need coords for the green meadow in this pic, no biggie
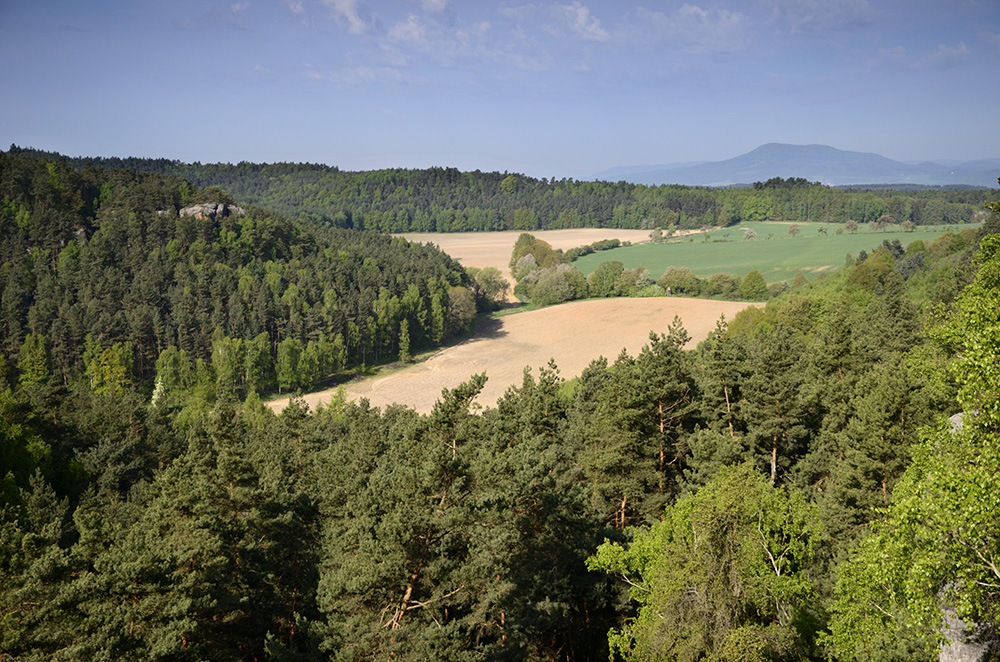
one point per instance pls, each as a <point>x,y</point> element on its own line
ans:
<point>773,252</point>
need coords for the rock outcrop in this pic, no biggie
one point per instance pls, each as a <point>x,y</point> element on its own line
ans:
<point>211,210</point>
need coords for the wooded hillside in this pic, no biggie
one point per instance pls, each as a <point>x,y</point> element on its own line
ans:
<point>98,260</point>
<point>447,200</point>
<point>788,491</point>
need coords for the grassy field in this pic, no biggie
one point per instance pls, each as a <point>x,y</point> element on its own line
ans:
<point>773,252</point>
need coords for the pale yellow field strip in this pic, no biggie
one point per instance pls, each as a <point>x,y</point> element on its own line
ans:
<point>573,334</point>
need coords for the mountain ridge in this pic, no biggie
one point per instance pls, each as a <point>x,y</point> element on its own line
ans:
<point>821,163</point>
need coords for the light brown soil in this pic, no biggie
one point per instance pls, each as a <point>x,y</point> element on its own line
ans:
<point>573,334</point>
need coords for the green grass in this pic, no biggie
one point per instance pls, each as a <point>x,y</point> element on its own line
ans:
<point>778,258</point>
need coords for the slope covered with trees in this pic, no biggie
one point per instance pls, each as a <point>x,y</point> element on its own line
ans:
<point>786,491</point>
<point>115,261</point>
<point>447,200</point>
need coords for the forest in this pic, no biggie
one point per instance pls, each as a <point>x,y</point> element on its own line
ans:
<point>792,489</point>
<point>448,200</point>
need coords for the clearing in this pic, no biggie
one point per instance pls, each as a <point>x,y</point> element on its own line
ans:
<point>572,334</point>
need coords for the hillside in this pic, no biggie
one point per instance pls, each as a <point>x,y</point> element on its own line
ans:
<point>819,163</point>
<point>114,260</point>
<point>447,200</point>
<point>790,488</point>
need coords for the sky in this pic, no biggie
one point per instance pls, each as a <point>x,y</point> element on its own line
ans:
<point>549,89</point>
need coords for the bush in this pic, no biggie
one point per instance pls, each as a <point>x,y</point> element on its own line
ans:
<point>753,287</point>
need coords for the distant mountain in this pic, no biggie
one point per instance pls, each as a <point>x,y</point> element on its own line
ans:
<point>820,163</point>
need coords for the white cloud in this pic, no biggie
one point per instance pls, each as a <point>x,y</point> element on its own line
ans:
<point>694,30</point>
<point>579,20</point>
<point>407,42</point>
<point>346,12</point>
<point>295,6</point>
<point>240,7</point>
<point>410,32</point>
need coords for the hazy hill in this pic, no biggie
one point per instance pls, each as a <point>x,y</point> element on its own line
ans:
<point>821,163</point>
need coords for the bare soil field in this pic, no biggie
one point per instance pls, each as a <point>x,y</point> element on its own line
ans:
<point>572,334</point>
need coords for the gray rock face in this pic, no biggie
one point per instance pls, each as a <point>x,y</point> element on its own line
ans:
<point>964,645</point>
<point>211,210</point>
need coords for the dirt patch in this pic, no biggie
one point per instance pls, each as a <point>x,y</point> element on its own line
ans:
<point>572,334</point>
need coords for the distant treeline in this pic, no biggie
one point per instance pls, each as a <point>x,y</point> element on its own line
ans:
<point>448,200</point>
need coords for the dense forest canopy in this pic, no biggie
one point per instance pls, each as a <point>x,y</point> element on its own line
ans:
<point>790,490</point>
<point>447,200</point>
<point>97,260</point>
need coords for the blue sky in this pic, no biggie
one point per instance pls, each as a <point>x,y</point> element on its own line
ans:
<point>553,89</point>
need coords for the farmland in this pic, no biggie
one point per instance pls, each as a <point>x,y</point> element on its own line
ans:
<point>572,335</point>
<point>772,252</point>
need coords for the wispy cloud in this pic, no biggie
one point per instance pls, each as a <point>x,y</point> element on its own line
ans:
<point>519,14</point>
<point>898,57</point>
<point>579,20</point>
<point>436,6</point>
<point>239,7</point>
<point>991,38</point>
<point>694,30</point>
<point>346,12</point>
<point>350,76</point>
<point>820,15</point>
<point>945,57</point>
<point>295,6</point>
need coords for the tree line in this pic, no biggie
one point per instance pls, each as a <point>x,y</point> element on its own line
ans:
<point>448,200</point>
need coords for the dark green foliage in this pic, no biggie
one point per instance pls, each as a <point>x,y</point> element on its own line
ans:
<point>146,514</point>
<point>447,200</point>
<point>103,275</point>
<point>628,422</point>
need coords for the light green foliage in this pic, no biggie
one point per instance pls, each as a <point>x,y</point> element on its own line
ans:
<point>724,572</point>
<point>109,371</point>
<point>680,281</point>
<point>552,285</point>
<point>33,361</point>
<point>404,340</point>
<point>601,283</point>
<point>228,360</point>
<point>287,365</point>
<point>461,310</point>
<point>489,287</point>
<point>173,372</point>
<point>541,252</point>
<point>939,543</point>
<point>753,286</point>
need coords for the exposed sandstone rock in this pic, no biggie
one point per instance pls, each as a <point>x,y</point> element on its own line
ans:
<point>211,210</point>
